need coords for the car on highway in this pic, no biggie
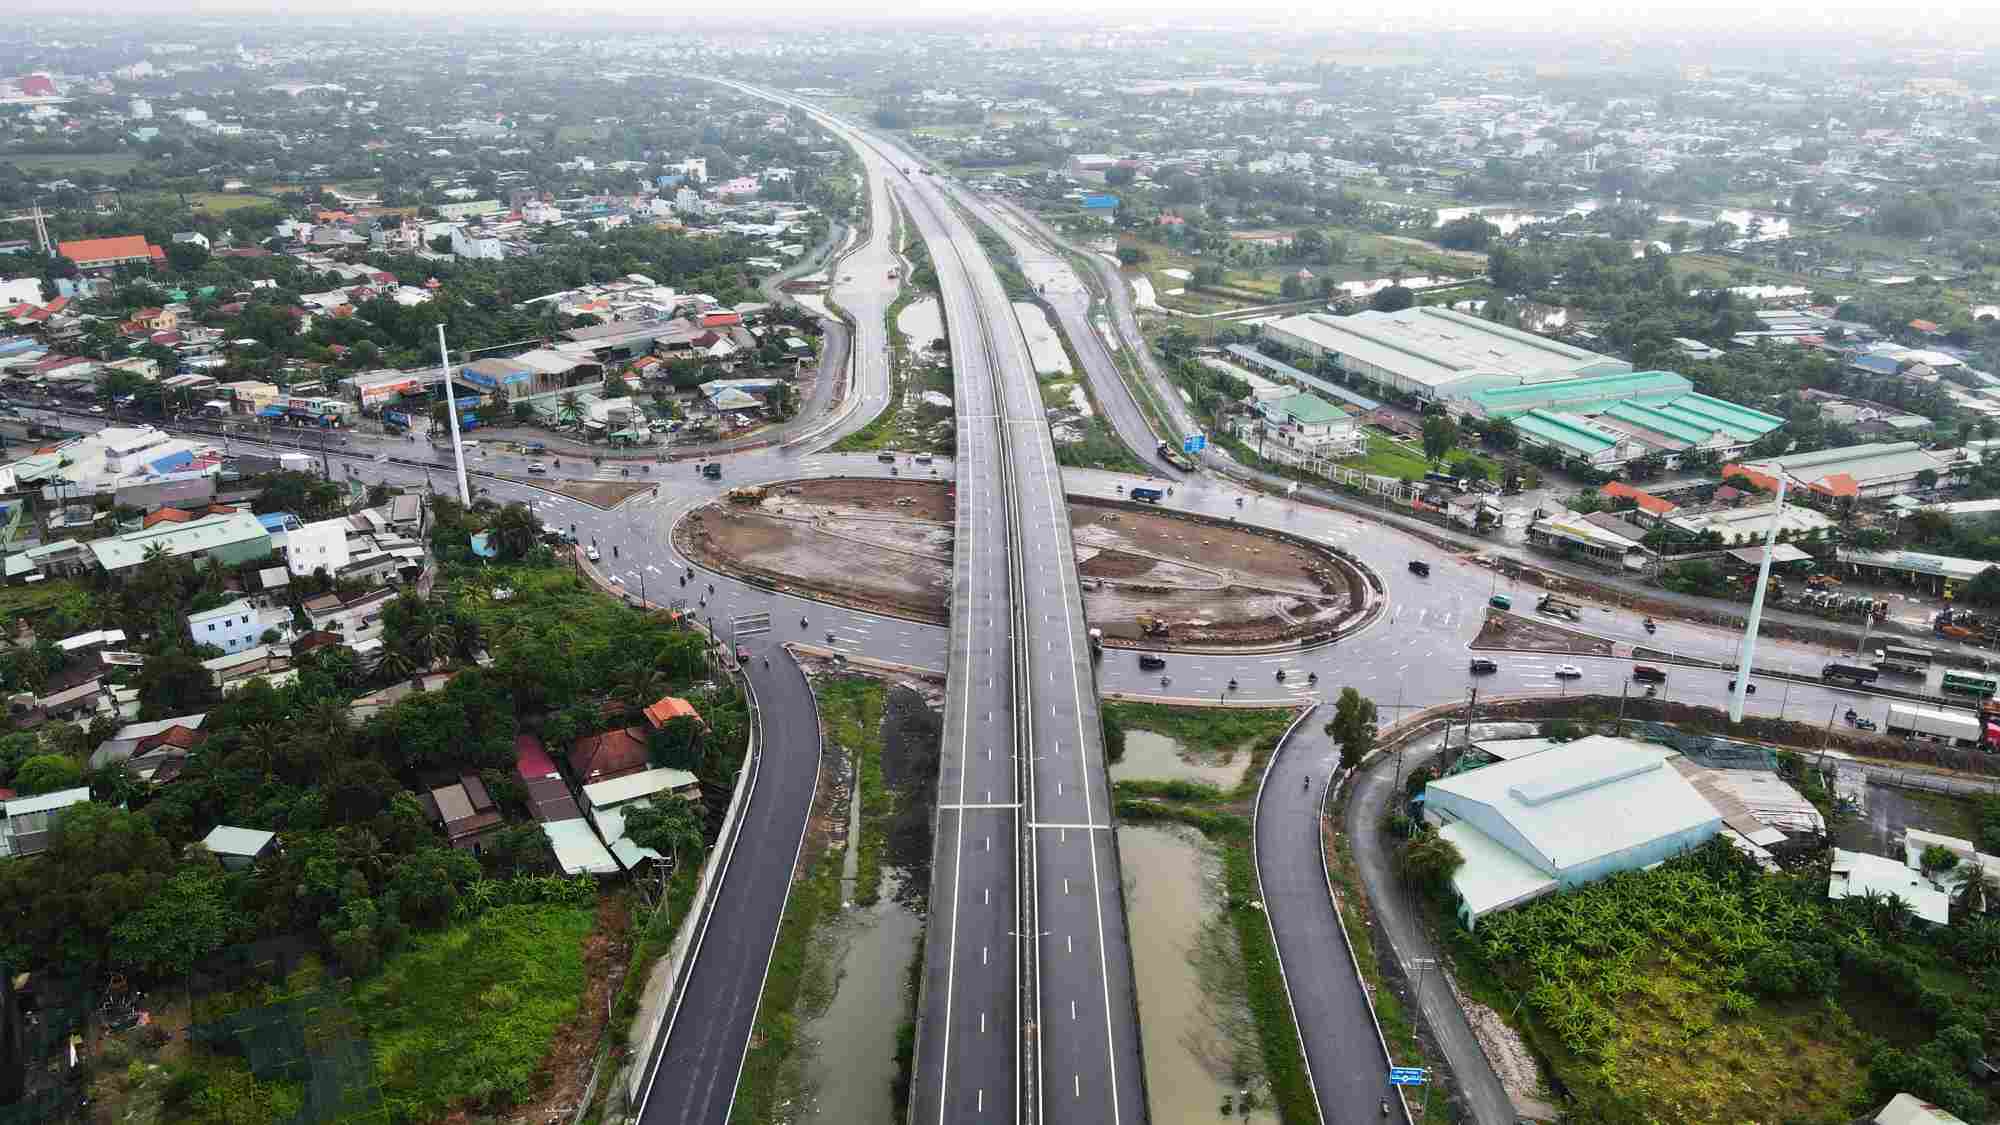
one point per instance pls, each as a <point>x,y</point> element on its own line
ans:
<point>1484,667</point>
<point>1500,601</point>
<point>1568,672</point>
<point>97,410</point>
<point>1748,689</point>
<point>1647,674</point>
<point>538,467</point>
<point>591,554</point>
<point>1420,568</point>
<point>886,458</point>
<point>1150,663</point>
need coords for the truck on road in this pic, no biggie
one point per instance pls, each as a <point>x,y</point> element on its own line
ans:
<point>1852,673</point>
<point>1557,607</point>
<point>1172,455</point>
<point>1954,727</point>
<point>1149,495</point>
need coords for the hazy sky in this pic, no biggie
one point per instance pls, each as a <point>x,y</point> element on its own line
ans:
<point>1945,22</point>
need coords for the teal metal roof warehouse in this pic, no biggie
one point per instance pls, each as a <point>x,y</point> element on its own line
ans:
<point>1607,420</point>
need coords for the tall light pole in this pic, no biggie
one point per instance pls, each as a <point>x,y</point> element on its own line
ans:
<point>451,414</point>
<point>1748,651</point>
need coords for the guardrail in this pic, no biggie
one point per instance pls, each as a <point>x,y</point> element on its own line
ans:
<point>694,927</point>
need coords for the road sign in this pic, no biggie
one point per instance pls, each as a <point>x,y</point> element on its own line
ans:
<point>1194,443</point>
<point>1408,1076</point>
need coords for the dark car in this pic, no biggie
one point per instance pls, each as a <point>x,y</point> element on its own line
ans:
<point>1483,667</point>
<point>1420,567</point>
<point>1647,674</point>
<point>1152,663</point>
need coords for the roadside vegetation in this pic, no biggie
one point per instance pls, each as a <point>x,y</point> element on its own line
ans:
<point>1653,994</point>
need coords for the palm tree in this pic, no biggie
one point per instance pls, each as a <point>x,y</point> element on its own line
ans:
<point>515,530</point>
<point>569,411</point>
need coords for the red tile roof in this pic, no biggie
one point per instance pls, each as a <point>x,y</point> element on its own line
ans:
<point>668,708</point>
<point>1838,484</point>
<point>1647,502</point>
<point>168,515</point>
<point>1765,481</point>
<point>101,249</point>
<point>614,753</point>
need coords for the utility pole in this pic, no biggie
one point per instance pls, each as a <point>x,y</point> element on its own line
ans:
<point>451,414</point>
<point>1747,653</point>
<point>1622,686</point>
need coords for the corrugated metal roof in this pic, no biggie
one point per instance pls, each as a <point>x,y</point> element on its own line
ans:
<point>618,790</point>
<point>1564,432</point>
<point>1492,877</point>
<point>225,840</point>
<point>578,850</point>
<point>1594,797</point>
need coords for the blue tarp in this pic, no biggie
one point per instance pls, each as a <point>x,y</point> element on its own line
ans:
<point>279,521</point>
<point>1877,364</point>
<point>482,547</point>
<point>173,462</point>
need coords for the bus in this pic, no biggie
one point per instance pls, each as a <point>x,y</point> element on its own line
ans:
<point>1965,683</point>
<point>1903,660</point>
<point>1853,673</point>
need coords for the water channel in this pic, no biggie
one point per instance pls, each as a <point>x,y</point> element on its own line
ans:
<point>1196,1032</point>
<point>853,1063</point>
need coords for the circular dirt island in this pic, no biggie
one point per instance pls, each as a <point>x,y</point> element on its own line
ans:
<point>1152,577</point>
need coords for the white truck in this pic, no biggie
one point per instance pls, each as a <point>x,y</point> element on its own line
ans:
<point>1954,727</point>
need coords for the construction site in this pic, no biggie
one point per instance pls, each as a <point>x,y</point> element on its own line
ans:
<point>1150,578</point>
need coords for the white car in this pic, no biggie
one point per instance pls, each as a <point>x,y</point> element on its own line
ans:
<point>1568,672</point>
<point>97,410</point>
<point>538,467</point>
<point>591,554</point>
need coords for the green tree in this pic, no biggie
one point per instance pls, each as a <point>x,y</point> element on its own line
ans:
<point>669,825</point>
<point>1429,860</point>
<point>1353,726</point>
<point>1392,298</point>
<point>182,923</point>
<point>1440,436</point>
<point>47,773</point>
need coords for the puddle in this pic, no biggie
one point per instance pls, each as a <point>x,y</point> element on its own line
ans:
<point>1152,755</point>
<point>853,1062</point>
<point>922,322</point>
<point>1044,347</point>
<point>1194,1047</point>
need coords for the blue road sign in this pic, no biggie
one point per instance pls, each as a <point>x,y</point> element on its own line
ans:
<point>1408,1076</point>
<point>1194,443</point>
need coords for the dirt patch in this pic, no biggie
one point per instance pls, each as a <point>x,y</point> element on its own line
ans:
<point>886,546</point>
<point>918,499</point>
<point>1513,632</point>
<point>601,493</point>
<point>1512,1062</point>
<point>607,952</point>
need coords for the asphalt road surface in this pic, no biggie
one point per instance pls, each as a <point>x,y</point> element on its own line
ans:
<point>1334,1021</point>
<point>702,1053</point>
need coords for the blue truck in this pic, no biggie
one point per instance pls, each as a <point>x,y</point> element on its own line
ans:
<point>1150,495</point>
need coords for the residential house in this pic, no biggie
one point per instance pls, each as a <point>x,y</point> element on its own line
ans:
<point>225,539</point>
<point>26,822</point>
<point>237,626</point>
<point>464,809</point>
<point>240,848</point>
<point>605,804</point>
<point>612,754</point>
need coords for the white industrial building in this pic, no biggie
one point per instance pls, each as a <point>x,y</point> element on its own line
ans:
<point>1567,816</point>
<point>1430,352</point>
<point>1872,471</point>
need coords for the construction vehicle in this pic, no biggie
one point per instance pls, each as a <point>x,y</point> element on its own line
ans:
<point>748,494</point>
<point>1557,607</point>
<point>1151,626</point>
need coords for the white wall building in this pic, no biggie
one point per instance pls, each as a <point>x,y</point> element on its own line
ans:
<point>236,626</point>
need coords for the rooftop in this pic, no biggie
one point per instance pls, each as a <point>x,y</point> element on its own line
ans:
<point>1432,345</point>
<point>1866,463</point>
<point>206,533</point>
<point>1858,873</point>
<point>1593,797</point>
<point>631,787</point>
<point>224,840</point>
<point>1309,410</point>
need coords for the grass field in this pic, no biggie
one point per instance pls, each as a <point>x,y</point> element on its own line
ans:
<point>103,163</point>
<point>469,1012</point>
<point>54,606</point>
<point>580,134</point>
